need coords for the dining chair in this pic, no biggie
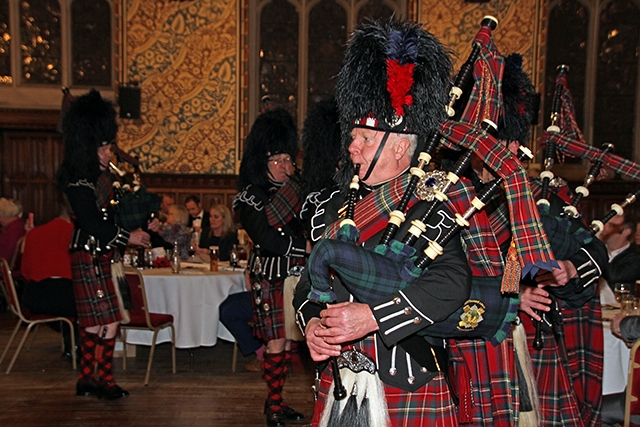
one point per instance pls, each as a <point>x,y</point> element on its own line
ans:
<point>14,262</point>
<point>234,358</point>
<point>25,316</point>
<point>632,401</point>
<point>142,319</point>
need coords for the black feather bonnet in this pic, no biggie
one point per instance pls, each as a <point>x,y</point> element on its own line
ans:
<point>394,77</point>
<point>518,97</point>
<point>273,132</point>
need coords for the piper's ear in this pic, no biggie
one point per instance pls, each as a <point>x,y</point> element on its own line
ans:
<point>401,146</point>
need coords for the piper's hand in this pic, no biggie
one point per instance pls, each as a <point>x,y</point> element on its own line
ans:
<point>154,225</point>
<point>534,298</point>
<point>139,237</point>
<point>557,276</point>
<point>319,349</point>
<point>347,321</point>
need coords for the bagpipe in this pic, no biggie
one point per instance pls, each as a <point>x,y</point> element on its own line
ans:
<point>562,221</point>
<point>371,274</point>
<point>133,204</point>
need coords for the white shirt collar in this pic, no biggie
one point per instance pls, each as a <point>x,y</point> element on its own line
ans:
<point>614,253</point>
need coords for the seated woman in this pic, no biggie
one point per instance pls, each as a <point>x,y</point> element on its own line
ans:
<point>46,268</point>
<point>175,229</point>
<point>220,232</point>
<point>11,230</point>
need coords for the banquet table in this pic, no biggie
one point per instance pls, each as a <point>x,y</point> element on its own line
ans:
<point>193,297</point>
<point>616,356</point>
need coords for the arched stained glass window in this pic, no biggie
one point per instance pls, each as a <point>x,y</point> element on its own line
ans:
<point>600,41</point>
<point>5,44</point>
<point>567,41</point>
<point>327,39</point>
<point>617,75</point>
<point>41,41</point>
<point>298,78</point>
<point>375,9</point>
<point>91,42</point>
<point>279,54</point>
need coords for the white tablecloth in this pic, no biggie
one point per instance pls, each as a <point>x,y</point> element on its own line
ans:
<point>616,363</point>
<point>616,353</point>
<point>193,297</point>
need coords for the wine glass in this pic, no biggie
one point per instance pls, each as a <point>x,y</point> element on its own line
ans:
<point>193,245</point>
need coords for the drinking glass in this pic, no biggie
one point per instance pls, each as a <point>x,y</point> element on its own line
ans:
<point>148,258</point>
<point>193,245</point>
<point>627,303</point>
<point>621,289</point>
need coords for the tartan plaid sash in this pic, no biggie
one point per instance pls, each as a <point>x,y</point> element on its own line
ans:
<point>285,204</point>
<point>372,212</point>
<point>104,189</point>
<point>479,240</point>
<point>485,101</point>
<point>534,251</point>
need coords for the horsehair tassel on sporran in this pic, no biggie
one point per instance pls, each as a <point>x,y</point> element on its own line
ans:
<point>435,248</point>
<point>582,191</point>
<point>616,209</point>
<point>418,225</point>
<point>547,175</point>
<point>488,23</point>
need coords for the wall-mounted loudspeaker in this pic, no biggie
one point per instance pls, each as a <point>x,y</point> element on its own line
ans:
<point>129,102</point>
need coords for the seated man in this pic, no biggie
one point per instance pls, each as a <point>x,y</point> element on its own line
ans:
<point>624,262</point>
<point>46,267</point>
<point>198,217</point>
<point>628,329</point>
<point>236,313</point>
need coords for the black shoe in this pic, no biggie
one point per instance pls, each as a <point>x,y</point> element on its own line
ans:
<point>111,391</point>
<point>274,418</point>
<point>85,388</point>
<point>291,414</point>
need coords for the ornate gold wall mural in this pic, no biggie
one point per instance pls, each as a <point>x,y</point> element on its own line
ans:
<point>456,22</point>
<point>183,54</point>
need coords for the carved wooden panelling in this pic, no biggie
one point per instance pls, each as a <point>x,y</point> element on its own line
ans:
<point>29,162</point>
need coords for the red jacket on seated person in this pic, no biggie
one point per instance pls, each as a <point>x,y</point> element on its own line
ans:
<point>46,251</point>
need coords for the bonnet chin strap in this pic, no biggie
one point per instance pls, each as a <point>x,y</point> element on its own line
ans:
<point>377,156</point>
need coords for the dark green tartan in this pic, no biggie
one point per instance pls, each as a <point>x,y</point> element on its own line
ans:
<point>135,208</point>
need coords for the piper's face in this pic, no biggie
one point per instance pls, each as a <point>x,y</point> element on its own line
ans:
<point>104,156</point>
<point>363,147</point>
<point>280,167</point>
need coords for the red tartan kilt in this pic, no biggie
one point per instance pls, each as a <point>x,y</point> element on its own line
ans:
<point>270,325</point>
<point>486,382</point>
<point>556,393</point>
<point>429,406</point>
<point>94,311</point>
